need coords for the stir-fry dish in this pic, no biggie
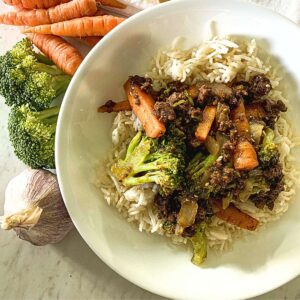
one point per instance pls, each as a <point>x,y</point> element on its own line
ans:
<point>197,157</point>
<point>207,146</point>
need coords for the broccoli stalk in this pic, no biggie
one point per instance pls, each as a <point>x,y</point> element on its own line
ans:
<point>268,154</point>
<point>33,134</point>
<point>199,245</point>
<point>29,77</point>
<point>150,161</point>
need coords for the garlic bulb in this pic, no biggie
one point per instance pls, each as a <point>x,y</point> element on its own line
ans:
<point>34,208</point>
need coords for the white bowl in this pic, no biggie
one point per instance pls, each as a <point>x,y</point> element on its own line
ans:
<point>263,262</point>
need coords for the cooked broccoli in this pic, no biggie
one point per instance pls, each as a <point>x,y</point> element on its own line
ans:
<point>199,244</point>
<point>198,172</point>
<point>152,161</point>
<point>268,154</point>
<point>32,135</point>
<point>27,77</point>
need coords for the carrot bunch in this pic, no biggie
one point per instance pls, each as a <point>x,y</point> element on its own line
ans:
<point>48,20</point>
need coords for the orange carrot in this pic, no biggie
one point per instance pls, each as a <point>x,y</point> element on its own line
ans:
<point>33,4</point>
<point>142,105</point>
<point>66,11</point>
<point>239,118</point>
<point>255,110</point>
<point>63,54</point>
<point>87,26</point>
<point>90,41</point>
<point>112,3</point>
<point>204,126</point>
<point>111,106</point>
<point>234,216</point>
<point>244,157</point>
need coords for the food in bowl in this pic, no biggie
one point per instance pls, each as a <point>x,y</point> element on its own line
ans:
<point>202,147</point>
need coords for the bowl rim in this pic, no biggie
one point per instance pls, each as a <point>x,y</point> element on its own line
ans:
<point>76,79</point>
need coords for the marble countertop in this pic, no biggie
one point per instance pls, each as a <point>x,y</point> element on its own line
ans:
<point>68,270</point>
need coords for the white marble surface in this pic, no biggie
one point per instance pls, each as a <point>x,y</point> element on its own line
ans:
<point>68,270</point>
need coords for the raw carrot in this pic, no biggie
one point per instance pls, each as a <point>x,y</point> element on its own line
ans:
<point>33,4</point>
<point>204,126</point>
<point>244,157</point>
<point>142,105</point>
<point>90,41</point>
<point>234,216</point>
<point>255,110</point>
<point>112,3</point>
<point>63,54</point>
<point>87,26</point>
<point>66,11</point>
<point>238,115</point>
<point>111,106</point>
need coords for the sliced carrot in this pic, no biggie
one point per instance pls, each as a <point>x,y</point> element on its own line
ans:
<point>65,11</point>
<point>63,54</point>
<point>235,216</point>
<point>33,4</point>
<point>204,126</point>
<point>255,111</point>
<point>244,157</point>
<point>86,26</point>
<point>112,3</point>
<point>90,40</point>
<point>142,105</point>
<point>238,115</point>
<point>111,106</point>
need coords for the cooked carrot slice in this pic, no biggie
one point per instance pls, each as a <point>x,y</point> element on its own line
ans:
<point>235,216</point>
<point>111,106</point>
<point>238,115</point>
<point>209,114</point>
<point>255,110</point>
<point>244,158</point>
<point>142,105</point>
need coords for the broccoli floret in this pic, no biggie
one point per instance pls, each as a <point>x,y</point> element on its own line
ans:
<point>199,245</point>
<point>29,77</point>
<point>198,172</point>
<point>152,161</point>
<point>268,154</point>
<point>33,134</point>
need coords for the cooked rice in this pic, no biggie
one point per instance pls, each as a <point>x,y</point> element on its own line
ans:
<point>217,60</point>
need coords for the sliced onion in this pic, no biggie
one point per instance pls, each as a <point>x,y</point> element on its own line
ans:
<point>187,213</point>
<point>212,146</point>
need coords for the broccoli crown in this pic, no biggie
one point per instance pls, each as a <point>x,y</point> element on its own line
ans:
<point>198,170</point>
<point>33,134</point>
<point>268,154</point>
<point>29,77</point>
<point>152,161</point>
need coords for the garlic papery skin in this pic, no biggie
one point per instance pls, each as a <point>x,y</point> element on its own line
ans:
<point>34,208</point>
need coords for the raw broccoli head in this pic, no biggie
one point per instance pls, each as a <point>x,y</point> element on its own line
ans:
<point>268,154</point>
<point>151,161</point>
<point>33,134</point>
<point>29,77</point>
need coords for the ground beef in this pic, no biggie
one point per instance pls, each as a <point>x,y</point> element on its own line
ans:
<point>273,110</point>
<point>273,175</point>
<point>164,111</point>
<point>227,150</point>
<point>241,89</point>
<point>260,86</point>
<point>167,207</point>
<point>224,124</point>
<point>268,198</point>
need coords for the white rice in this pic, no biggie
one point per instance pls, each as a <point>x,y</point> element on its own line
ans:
<point>217,60</point>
